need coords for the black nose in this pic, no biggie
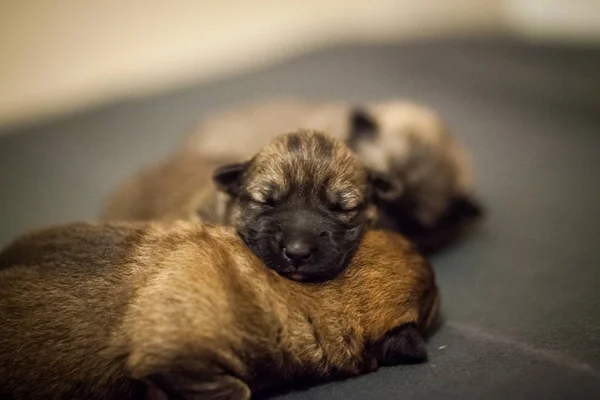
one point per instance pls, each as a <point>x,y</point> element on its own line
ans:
<point>298,250</point>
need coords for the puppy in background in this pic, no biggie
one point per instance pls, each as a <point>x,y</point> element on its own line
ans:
<point>185,310</point>
<point>301,203</point>
<point>430,194</point>
<point>179,188</point>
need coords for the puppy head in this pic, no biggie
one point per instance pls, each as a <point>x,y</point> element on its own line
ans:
<point>428,173</point>
<point>301,204</point>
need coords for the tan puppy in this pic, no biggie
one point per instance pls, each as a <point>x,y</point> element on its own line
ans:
<point>100,311</point>
<point>179,188</point>
<point>431,197</point>
<point>301,203</point>
<point>428,175</point>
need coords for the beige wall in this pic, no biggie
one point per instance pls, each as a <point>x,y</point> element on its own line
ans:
<point>567,21</point>
<point>66,55</point>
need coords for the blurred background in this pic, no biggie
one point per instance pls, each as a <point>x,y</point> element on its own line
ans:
<point>57,57</point>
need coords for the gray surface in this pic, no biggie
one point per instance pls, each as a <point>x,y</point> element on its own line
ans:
<point>520,294</point>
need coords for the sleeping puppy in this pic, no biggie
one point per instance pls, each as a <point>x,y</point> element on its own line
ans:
<point>430,197</point>
<point>301,203</point>
<point>180,188</point>
<point>185,310</point>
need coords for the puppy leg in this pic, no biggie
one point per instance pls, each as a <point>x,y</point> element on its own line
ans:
<point>403,345</point>
<point>182,387</point>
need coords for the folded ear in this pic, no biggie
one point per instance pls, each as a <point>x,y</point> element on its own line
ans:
<point>384,189</point>
<point>362,125</point>
<point>403,345</point>
<point>228,177</point>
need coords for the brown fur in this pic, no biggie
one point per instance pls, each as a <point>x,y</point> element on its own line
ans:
<point>318,162</point>
<point>430,199</point>
<point>182,187</point>
<point>95,310</point>
<point>412,144</point>
<point>303,186</point>
<point>175,189</point>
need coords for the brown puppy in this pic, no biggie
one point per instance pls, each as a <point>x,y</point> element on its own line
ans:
<point>179,188</point>
<point>99,311</point>
<point>430,196</point>
<point>301,204</point>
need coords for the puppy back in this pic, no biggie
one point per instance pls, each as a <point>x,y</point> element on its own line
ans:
<point>63,292</point>
<point>243,130</point>
<point>210,308</point>
<point>171,190</point>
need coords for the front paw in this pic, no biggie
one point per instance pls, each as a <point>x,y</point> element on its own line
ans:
<point>403,345</point>
<point>184,387</point>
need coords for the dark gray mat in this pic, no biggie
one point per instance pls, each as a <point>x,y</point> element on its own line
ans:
<point>520,294</point>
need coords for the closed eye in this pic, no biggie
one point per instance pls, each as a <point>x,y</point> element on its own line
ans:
<point>268,201</point>
<point>344,208</point>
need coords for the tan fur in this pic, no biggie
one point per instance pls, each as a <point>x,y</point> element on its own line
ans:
<point>415,141</point>
<point>90,310</point>
<point>415,146</point>
<point>182,188</point>
<point>343,173</point>
<point>170,191</point>
<point>243,130</point>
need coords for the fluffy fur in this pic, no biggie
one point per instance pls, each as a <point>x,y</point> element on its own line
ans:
<point>429,195</point>
<point>301,203</point>
<point>107,311</point>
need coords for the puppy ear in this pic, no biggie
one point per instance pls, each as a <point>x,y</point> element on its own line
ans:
<point>403,345</point>
<point>228,177</point>
<point>362,125</point>
<point>384,188</point>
